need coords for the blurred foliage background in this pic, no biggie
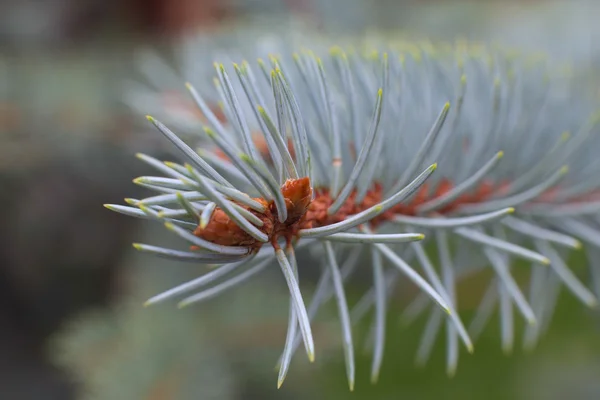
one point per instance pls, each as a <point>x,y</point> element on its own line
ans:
<point>71,288</point>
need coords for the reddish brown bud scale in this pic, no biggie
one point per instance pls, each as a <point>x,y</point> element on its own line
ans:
<point>224,231</point>
<point>298,195</point>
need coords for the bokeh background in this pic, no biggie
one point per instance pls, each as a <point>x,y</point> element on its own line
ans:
<point>71,287</point>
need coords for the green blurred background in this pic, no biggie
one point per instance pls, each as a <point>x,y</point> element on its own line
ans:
<point>71,288</point>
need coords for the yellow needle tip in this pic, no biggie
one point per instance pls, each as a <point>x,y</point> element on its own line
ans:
<point>546,261</point>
